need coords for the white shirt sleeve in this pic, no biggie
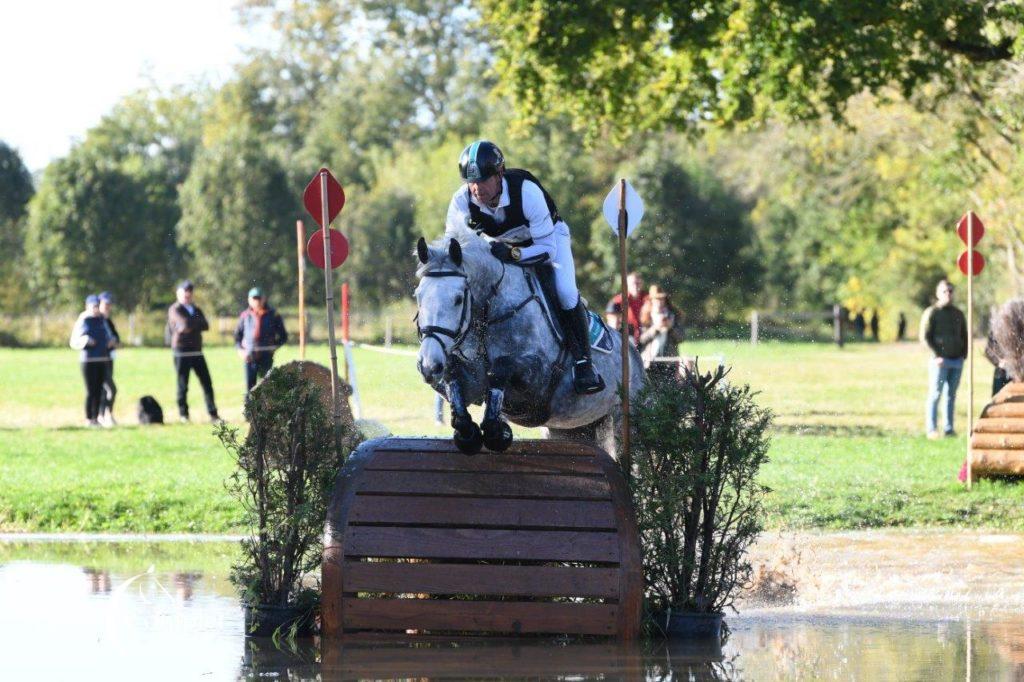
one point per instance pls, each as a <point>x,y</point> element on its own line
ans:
<point>535,210</point>
<point>458,209</point>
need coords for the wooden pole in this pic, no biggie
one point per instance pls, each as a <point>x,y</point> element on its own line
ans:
<point>300,242</point>
<point>627,461</point>
<point>344,325</point>
<point>970,341</point>
<point>325,218</point>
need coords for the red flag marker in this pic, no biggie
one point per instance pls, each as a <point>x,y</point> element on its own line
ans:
<point>312,198</point>
<point>315,248</point>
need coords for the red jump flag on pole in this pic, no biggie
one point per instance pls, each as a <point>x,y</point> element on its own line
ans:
<point>312,197</point>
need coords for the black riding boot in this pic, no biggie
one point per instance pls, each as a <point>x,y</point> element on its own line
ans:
<point>585,378</point>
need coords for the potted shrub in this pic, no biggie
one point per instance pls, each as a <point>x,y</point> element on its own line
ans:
<point>698,445</point>
<point>286,467</point>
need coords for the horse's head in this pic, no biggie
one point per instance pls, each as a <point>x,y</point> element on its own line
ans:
<point>444,307</point>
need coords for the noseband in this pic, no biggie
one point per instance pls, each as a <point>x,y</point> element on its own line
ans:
<point>456,335</point>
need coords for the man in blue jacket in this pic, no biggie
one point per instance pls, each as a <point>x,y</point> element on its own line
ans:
<point>259,333</point>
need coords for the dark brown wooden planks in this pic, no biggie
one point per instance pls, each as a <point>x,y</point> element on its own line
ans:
<point>452,511</point>
<point>480,543</point>
<point>490,580</point>
<point>481,616</point>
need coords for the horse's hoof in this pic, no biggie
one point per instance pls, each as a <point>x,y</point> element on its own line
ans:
<point>470,440</point>
<point>497,435</point>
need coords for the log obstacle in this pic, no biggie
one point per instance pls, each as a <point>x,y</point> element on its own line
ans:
<point>997,443</point>
<point>423,540</point>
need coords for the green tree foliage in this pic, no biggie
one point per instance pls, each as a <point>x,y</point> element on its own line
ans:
<point>638,65</point>
<point>15,191</point>
<point>695,241</point>
<point>105,215</point>
<point>237,216</point>
<point>15,185</point>
<point>90,228</point>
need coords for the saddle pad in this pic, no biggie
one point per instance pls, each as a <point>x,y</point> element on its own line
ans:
<point>600,338</point>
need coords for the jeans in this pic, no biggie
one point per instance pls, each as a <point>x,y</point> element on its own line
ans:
<point>942,381</point>
<point>256,369</point>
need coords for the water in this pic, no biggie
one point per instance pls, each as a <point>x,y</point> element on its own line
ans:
<point>869,605</point>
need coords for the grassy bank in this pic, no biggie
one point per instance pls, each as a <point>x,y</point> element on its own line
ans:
<point>848,452</point>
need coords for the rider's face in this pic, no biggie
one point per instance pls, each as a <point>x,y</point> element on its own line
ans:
<point>486,191</point>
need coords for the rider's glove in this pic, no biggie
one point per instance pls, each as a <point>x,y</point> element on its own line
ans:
<point>502,252</point>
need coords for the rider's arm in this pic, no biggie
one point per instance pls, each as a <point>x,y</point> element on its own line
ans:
<point>458,209</point>
<point>542,230</point>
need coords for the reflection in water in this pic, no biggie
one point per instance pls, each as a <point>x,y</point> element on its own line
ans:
<point>168,612</point>
<point>99,581</point>
<point>184,584</point>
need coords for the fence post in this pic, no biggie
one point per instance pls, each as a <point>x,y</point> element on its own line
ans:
<point>387,332</point>
<point>753,328</point>
<point>837,324</point>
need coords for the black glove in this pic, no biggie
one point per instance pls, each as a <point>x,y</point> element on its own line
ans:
<point>502,251</point>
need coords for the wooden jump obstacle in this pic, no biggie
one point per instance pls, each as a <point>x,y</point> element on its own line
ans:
<point>421,539</point>
<point>997,444</point>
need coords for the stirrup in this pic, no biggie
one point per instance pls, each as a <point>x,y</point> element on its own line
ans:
<point>586,385</point>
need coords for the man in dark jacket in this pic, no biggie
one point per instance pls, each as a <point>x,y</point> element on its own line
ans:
<point>185,326</point>
<point>944,331</point>
<point>259,333</point>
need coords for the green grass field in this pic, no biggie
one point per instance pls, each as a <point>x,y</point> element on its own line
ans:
<point>848,451</point>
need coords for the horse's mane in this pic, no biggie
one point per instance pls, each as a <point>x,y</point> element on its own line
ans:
<point>477,260</point>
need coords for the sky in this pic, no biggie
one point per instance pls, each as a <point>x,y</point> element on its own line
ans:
<point>64,64</point>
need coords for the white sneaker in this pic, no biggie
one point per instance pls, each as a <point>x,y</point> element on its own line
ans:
<point>92,424</point>
<point>184,420</point>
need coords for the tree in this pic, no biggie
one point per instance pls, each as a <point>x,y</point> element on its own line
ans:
<point>15,192</point>
<point>638,65</point>
<point>15,185</point>
<point>695,241</point>
<point>237,216</point>
<point>90,229</point>
<point>105,215</point>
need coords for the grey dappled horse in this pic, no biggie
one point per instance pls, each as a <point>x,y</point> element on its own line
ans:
<point>486,337</point>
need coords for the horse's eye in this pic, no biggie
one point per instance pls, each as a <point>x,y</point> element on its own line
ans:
<point>458,300</point>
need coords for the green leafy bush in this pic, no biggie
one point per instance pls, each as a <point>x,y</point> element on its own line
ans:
<point>286,468</point>
<point>698,444</point>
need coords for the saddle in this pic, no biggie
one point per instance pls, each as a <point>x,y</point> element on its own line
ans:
<point>540,280</point>
<point>542,277</point>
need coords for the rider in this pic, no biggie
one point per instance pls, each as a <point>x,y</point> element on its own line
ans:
<point>520,219</point>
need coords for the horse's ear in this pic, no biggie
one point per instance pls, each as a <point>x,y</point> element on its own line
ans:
<point>421,250</point>
<point>455,251</point>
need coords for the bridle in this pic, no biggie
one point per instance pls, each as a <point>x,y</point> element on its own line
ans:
<point>435,332</point>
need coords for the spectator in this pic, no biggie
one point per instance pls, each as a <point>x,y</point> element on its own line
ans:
<point>873,324</point>
<point>660,336</point>
<point>944,331</point>
<point>106,417</point>
<point>901,327</point>
<point>259,333</point>
<point>636,298</point>
<point>185,326</point>
<point>858,325</point>
<point>90,336</point>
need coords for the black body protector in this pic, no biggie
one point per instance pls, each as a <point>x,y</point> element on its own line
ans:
<point>514,217</point>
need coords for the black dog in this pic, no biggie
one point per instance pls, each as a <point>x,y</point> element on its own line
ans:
<point>150,411</point>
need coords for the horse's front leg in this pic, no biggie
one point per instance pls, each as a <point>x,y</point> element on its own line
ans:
<point>497,434</point>
<point>467,436</point>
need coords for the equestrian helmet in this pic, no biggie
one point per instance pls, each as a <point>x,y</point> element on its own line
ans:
<point>480,160</point>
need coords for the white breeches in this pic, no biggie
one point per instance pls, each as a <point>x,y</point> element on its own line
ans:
<point>565,268</point>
